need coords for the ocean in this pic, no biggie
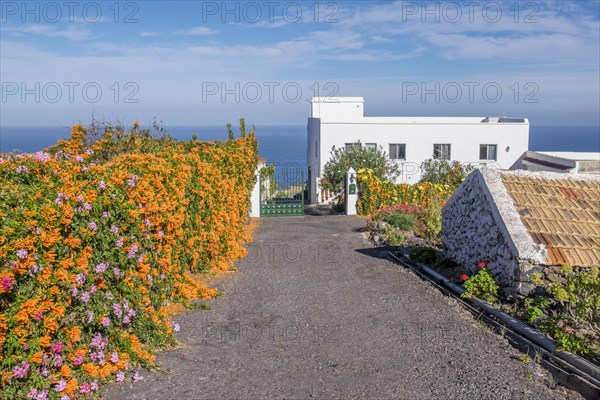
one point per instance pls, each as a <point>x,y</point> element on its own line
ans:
<point>287,144</point>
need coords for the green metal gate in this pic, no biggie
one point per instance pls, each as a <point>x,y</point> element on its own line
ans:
<point>282,191</point>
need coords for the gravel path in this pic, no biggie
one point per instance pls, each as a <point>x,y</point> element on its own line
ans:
<point>313,312</point>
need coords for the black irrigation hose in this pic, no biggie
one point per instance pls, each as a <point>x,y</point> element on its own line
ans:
<point>502,321</point>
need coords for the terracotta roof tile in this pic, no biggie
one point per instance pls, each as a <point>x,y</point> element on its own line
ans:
<point>561,214</point>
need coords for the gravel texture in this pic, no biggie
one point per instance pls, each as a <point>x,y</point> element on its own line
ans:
<point>315,311</point>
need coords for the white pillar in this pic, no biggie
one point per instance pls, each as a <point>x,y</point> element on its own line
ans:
<point>255,196</point>
<point>351,192</point>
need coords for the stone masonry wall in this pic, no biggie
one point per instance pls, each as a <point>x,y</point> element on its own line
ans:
<point>471,234</point>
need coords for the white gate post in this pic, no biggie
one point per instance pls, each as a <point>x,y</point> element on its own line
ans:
<point>255,195</point>
<point>351,192</point>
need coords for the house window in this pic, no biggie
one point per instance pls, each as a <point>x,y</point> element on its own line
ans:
<point>441,151</point>
<point>397,151</point>
<point>350,146</point>
<point>316,149</point>
<point>487,152</point>
<point>370,145</point>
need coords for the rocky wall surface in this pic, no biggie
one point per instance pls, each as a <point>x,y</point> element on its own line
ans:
<point>471,234</point>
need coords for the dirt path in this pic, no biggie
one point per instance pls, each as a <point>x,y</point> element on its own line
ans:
<point>314,313</point>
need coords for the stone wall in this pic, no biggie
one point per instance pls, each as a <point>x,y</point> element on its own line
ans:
<point>473,231</point>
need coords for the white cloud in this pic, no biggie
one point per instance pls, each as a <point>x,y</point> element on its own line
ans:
<point>71,33</point>
<point>197,31</point>
<point>149,34</point>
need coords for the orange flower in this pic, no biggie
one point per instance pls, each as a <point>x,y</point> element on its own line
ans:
<point>72,386</point>
<point>91,369</point>
<point>73,334</point>
<point>50,324</point>
<point>37,357</point>
<point>45,341</point>
<point>65,371</point>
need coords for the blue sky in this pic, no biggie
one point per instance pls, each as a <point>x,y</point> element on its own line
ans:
<point>205,63</point>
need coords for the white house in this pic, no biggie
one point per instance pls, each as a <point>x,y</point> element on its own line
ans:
<point>340,122</point>
<point>559,161</point>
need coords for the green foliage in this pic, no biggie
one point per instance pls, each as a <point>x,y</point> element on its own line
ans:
<point>393,237</point>
<point>534,308</point>
<point>430,226</point>
<point>242,128</point>
<point>425,255</point>
<point>579,296</point>
<point>482,285</point>
<point>121,141</point>
<point>564,335</point>
<point>357,157</point>
<point>569,312</point>
<point>444,172</point>
<point>397,219</point>
<point>230,132</point>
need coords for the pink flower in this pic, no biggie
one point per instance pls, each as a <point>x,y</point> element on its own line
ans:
<point>85,388</point>
<point>102,185</point>
<point>22,254</point>
<point>7,283</point>
<point>100,268</point>
<point>105,321</point>
<point>114,357</point>
<point>464,277</point>
<point>134,248</point>
<point>93,226</point>
<point>481,265</point>
<point>175,326</point>
<point>80,279</point>
<point>57,347</point>
<point>131,182</point>
<point>58,361</point>
<point>21,371</point>
<point>85,297</point>
<point>42,156</point>
<point>60,386</point>
<point>78,360</point>
<point>120,376</point>
<point>137,377</point>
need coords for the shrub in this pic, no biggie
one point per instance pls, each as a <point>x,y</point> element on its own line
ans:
<point>357,157</point>
<point>481,285</point>
<point>376,193</point>
<point>98,250</point>
<point>570,313</point>
<point>444,172</point>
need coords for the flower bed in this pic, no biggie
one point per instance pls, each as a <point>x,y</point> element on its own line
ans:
<point>376,193</point>
<point>97,252</point>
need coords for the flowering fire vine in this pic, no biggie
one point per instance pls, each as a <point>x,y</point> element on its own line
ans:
<point>98,249</point>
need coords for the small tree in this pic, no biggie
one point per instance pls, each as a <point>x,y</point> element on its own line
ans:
<point>445,172</point>
<point>356,157</point>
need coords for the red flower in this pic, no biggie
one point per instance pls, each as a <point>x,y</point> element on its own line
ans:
<point>481,265</point>
<point>464,277</point>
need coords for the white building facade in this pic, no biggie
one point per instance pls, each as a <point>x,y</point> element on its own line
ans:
<point>340,122</point>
